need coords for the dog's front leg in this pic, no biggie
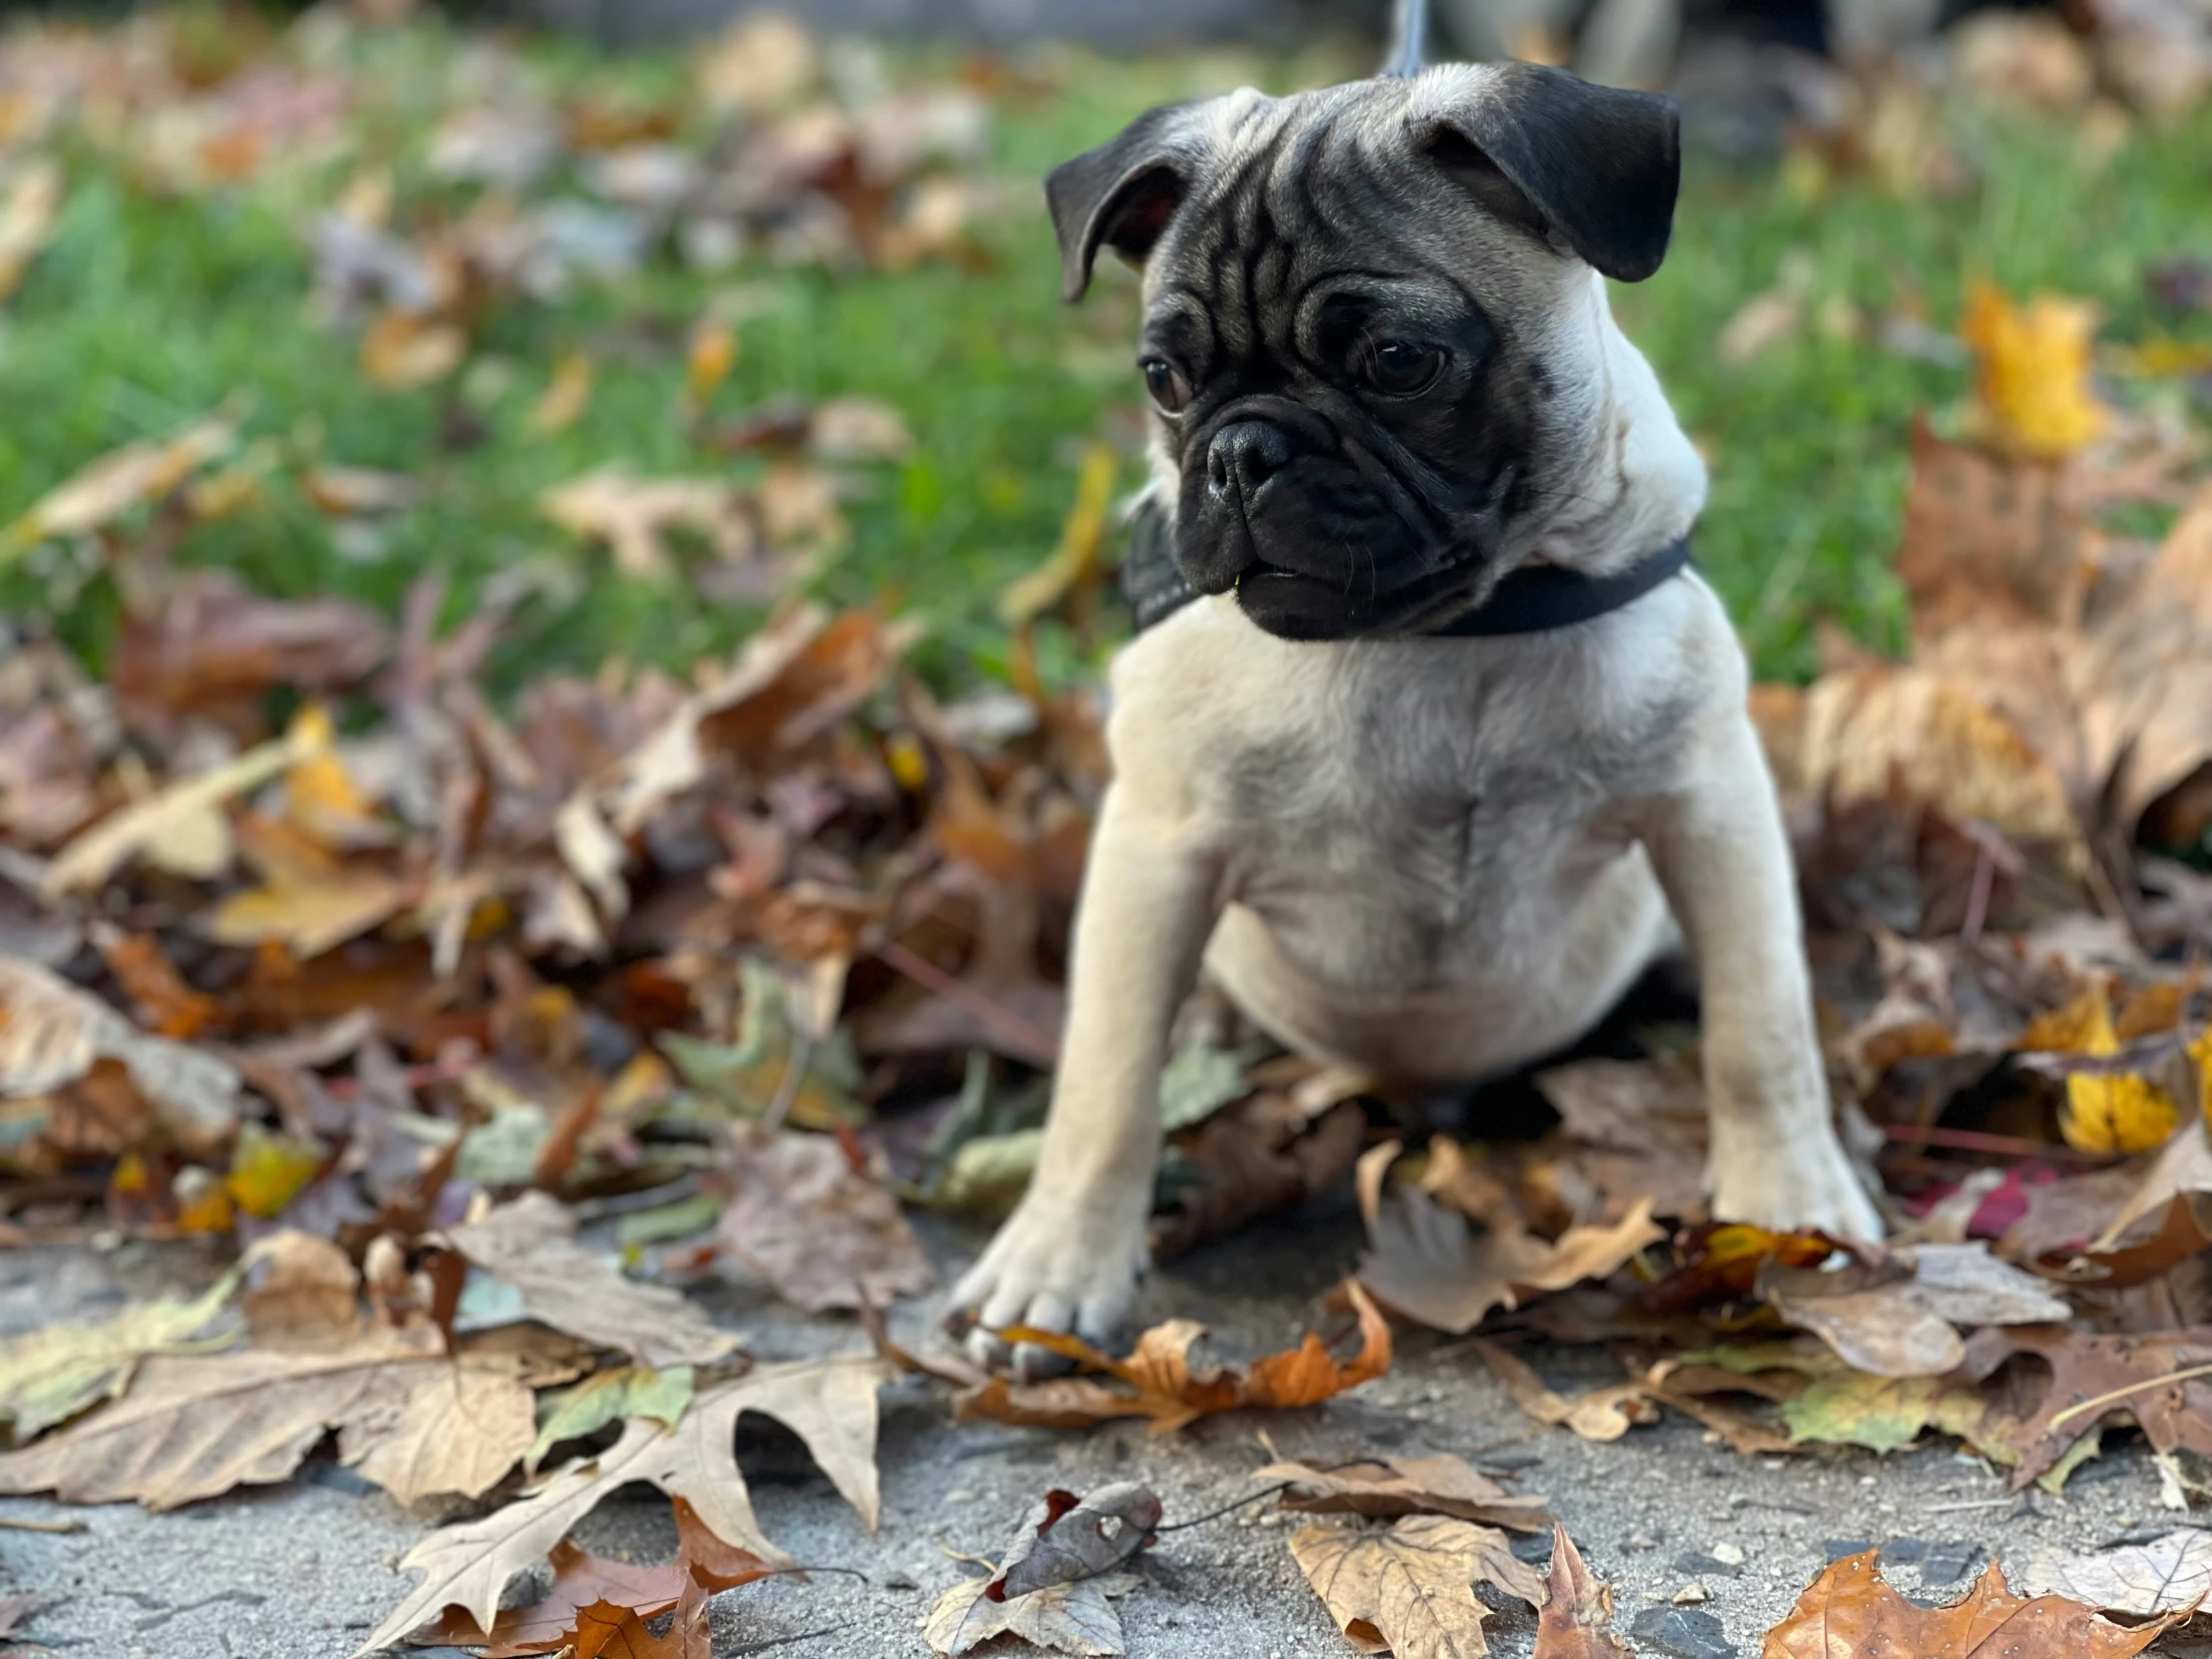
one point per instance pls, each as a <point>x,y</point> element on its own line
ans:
<point>1724,859</point>
<point>1069,1255</point>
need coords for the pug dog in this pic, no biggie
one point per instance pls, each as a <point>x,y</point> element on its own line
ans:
<point>1445,743</point>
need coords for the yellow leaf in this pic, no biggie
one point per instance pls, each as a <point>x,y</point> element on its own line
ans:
<point>403,352</point>
<point>267,1171</point>
<point>203,1203</point>
<point>2033,362</point>
<point>713,354</point>
<point>322,800</point>
<point>2108,1112</point>
<point>567,394</point>
<point>1076,558</point>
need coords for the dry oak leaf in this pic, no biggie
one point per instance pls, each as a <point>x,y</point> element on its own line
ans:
<point>52,1034</point>
<point>581,1580</point>
<point>1439,1485</point>
<point>1601,1415</point>
<point>1575,1621</point>
<point>1408,1589</point>
<point>414,1421</point>
<point>1897,1320</point>
<point>531,1245</point>
<point>1161,1384</point>
<point>211,644</point>
<point>796,679</point>
<point>817,1230</point>
<point>2162,1379</point>
<point>1426,1263</point>
<point>49,1374</point>
<point>829,1404</point>
<point>1851,1609</point>
<point>178,827</point>
<point>1074,1618</point>
<point>2172,1574</point>
<point>120,480</point>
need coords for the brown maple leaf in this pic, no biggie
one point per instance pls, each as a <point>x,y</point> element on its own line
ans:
<point>1575,1621</point>
<point>1852,1609</point>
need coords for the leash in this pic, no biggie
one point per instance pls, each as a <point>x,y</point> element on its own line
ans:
<point>1536,599</point>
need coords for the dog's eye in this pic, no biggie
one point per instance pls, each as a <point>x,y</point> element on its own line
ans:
<point>1401,368</point>
<point>1170,387</point>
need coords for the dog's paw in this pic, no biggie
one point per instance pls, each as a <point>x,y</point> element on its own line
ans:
<point>1807,1185</point>
<point>1055,1266</point>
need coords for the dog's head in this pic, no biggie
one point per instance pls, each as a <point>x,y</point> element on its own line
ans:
<point>1372,337</point>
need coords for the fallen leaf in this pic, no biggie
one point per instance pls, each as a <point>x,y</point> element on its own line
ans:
<point>2168,1575</point>
<point>210,646</point>
<point>50,1374</point>
<point>133,476</point>
<point>1575,1620</point>
<point>157,821</point>
<point>405,352</point>
<point>414,1422</point>
<point>1409,1588</point>
<point>704,1563</point>
<point>1158,1382</point>
<point>52,1034</point>
<point>635,516</point>
<point>269,1171</point>
<point>2033,365</point>
<point>1896,1319</point>
<point>1073,565</point>
<point>301,1292</point>
<point>1068,1618</point>
<point>2162,1379</point>
<point>1425,1263</point>
<point>580,1581</point>
<point>1851,1609</point>
<point>1067,1540</point>
<point>27,215</point>
<point>1639,1127</point>
<point>1601,1415</point>
<point>611,1395</point>
<point>567,394</point>
<point>829,1404</point>
<point>858,429</point>
<point>530,1243</point>
<point>2108,1112</point>
<point>820,1233</point>
<point>1438,1484</point>
<point>712,352</point>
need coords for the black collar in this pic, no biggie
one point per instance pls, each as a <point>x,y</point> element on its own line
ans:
<point>1533,600</point>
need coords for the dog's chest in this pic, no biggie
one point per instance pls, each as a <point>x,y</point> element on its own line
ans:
<point>1412,810</point>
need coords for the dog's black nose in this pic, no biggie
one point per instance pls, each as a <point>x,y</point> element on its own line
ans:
<point>1243,457</point>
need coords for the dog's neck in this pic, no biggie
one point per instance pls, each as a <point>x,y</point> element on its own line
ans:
<point>1641,482</point>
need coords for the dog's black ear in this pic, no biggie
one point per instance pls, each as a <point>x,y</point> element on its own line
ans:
<point>1596,167</point>
<point>1119,196</point>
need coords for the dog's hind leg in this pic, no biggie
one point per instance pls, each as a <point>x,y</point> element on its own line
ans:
<point>1069,1256</point>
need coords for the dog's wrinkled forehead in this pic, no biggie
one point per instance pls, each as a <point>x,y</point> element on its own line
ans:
<point>1444,161</point>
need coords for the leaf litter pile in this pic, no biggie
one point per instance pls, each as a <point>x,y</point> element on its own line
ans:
<point>471,1032</point>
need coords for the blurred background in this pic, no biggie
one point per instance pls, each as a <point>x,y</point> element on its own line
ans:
<point>625,320</point>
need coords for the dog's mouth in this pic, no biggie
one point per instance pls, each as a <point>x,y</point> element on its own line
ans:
<point>1293,606</point>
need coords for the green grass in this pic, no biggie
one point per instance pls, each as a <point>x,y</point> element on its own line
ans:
<point>146,310</point>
